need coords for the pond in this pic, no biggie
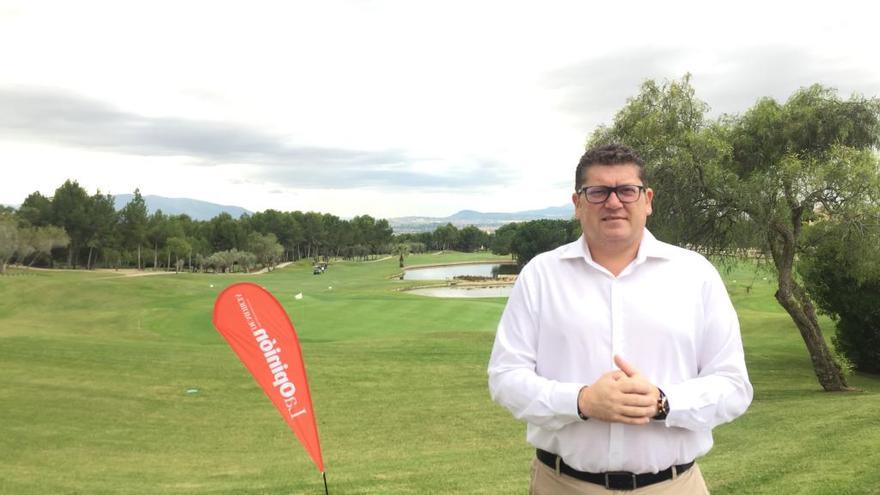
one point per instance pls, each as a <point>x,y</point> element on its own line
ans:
<point>448,272</point>
<point>500,291</point>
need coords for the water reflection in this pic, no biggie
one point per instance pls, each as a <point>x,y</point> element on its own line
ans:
<point>502,291</point>
<point>488,270</point>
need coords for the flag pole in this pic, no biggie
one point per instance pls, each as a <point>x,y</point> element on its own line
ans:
<point>324,475</point>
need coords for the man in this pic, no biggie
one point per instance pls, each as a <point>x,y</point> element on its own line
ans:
<point>620,351</point>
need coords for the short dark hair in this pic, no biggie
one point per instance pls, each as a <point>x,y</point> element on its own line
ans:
<point>608,154</point>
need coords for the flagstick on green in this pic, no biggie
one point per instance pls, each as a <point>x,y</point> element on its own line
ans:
<point>324,475</point>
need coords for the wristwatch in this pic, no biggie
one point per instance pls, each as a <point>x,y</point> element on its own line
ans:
<point>662,406</point>
<point>578,406</point>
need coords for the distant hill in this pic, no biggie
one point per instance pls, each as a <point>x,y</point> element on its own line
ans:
<point>487,221</point>
<point>197,210</point>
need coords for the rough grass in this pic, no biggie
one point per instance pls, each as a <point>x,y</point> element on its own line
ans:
<point>97,373</point>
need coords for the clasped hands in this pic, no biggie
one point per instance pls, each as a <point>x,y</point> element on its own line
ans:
<point>620,396</point>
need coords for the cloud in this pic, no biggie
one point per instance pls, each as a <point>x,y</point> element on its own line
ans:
<point>747,74</point>
<point>592,91</point>
<point>476,176</point>
<point>71,120</point>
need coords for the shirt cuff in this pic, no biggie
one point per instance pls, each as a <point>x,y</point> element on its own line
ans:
<point>684,405</point>
<point>565,400</point>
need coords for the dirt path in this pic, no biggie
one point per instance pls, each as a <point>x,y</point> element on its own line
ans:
<point>380,259</point>
<point>133,272</point>
<point>266,270</point>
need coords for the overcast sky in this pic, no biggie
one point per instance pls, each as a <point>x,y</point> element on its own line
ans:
<point>384,108</point>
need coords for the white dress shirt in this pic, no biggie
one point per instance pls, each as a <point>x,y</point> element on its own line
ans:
<point>667,313</point>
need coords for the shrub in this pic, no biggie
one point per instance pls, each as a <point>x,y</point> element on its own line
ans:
<point>841,271</point>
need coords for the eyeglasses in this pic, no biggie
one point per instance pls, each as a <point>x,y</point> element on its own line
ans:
<point>627,193</point>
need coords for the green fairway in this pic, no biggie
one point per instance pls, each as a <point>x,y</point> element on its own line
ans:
<point>112,384</point>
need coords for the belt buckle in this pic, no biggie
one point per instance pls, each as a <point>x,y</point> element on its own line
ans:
<point>622,475</point>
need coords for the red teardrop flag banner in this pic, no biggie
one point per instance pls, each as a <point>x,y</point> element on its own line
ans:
<point>257,328</point>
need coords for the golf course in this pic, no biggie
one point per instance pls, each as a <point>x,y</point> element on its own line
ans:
<point>115,384</point>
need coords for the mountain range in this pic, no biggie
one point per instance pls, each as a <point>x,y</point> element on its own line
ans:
<point>204,210</point>
<point>196,209</point>
<point>483,220</point>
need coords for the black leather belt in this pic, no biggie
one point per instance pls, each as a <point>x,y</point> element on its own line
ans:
<point>613,480</point>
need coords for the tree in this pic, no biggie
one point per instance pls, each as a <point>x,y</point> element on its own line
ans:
<point>381,236</point>
<point>313,232</point>
<point>48,238</point>
<point>8,242</point>
<point>538,236</point>
<point>756,179</point>
<point>26,243</point>
<point>36,210</point>
<point>265,248</point>
<point>502,239</point>
<point>103,217</point>
<point>70,210</point>
<point>157,234</point>
<point>471,238</point>
<point>178,247</point>
<point>133,224</point>
<point>445,236</point>
<point>225,233</point>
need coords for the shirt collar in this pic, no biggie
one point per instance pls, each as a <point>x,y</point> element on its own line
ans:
<point>650,247</point>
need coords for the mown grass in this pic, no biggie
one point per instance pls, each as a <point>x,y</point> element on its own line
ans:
<point>95,372</point>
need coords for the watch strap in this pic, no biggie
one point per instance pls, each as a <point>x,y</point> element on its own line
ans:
<point>662,406</point>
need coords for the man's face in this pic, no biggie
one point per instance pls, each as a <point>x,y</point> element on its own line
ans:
<point>613,223</point>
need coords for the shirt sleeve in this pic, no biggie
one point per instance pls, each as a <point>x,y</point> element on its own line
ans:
<point>721,391</point>
<point>513,380</point>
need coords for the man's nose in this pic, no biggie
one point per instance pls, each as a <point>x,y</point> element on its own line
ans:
<point>613,201</point>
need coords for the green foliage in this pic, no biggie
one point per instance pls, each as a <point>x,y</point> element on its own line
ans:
<point>70,211</point>
<point>226,261</point>
<point>133,223</point>
<point>503,238</point>
<point>684,152</point>
<point>9,238</point>
<point>841,270</point>
<point>35,210</point>
<point>538,236</point>
<point>266,248</point>
<point>445,236</point>
<point>21,243</point>
<point>471,239</point>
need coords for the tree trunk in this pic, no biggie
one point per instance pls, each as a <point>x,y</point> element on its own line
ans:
<point>830,375</point>
<point>70,253</point>
<point>168,265</point>
<point>89,261</point>
<point>140,265</point>
<point>155,256</point>
<point>793,298</point>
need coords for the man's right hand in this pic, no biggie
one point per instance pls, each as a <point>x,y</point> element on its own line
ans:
<point>615,398</point>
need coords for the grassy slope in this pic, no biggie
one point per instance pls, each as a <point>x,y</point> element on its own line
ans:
<point>94,373</point>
